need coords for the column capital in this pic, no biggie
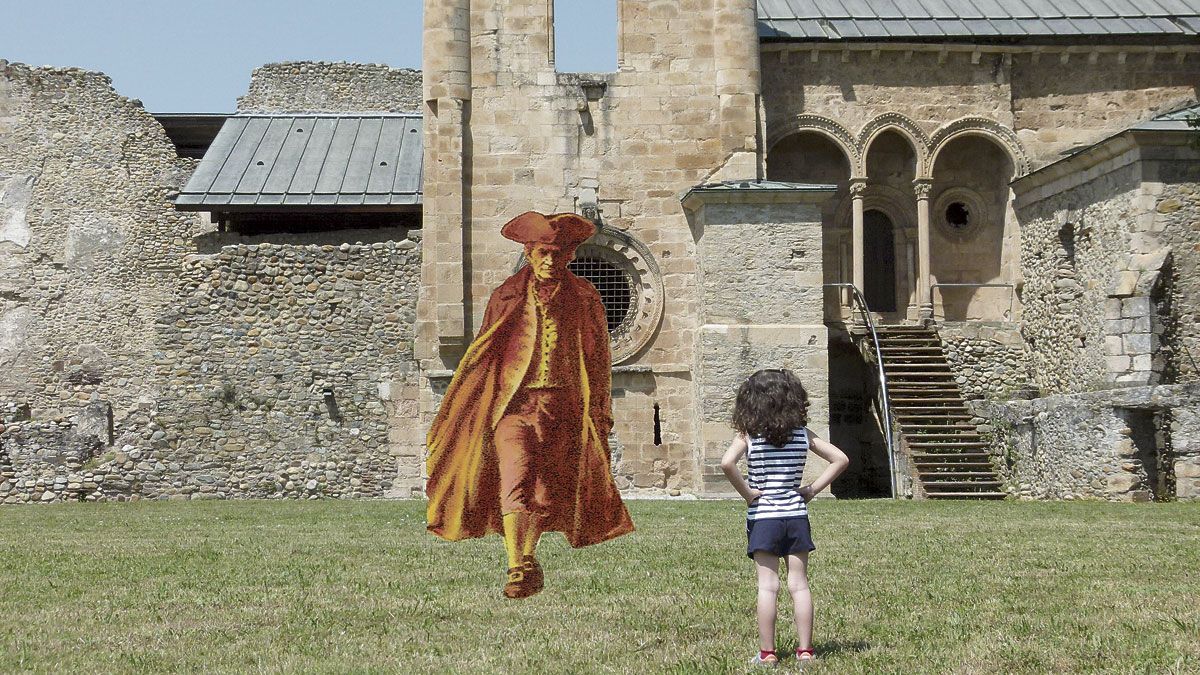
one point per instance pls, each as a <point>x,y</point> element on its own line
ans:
<point>858,187</point>
<point>923,187</point>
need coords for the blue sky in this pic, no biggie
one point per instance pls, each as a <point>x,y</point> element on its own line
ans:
<point>197,55</point>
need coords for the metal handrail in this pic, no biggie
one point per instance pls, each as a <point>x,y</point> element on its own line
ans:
<point>861,301</point>
<point>1011,295</point>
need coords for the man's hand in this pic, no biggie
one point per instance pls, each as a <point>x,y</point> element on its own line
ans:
<point>754,495</point>
<point>806,492</point>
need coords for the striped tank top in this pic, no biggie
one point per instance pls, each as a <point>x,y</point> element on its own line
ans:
<point>776,470</point>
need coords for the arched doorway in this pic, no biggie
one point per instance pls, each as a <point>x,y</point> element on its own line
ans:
<point>879,262</point>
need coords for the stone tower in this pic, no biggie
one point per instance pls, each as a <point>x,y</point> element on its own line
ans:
<point>506,132</point>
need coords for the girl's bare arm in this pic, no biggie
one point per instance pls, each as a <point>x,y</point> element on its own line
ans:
<point>729,465</point>
<point>838,461</point>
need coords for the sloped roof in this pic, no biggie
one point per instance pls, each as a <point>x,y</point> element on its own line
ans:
<point>834,20</point>
<point>285,162</point>
<point>1176,120</point>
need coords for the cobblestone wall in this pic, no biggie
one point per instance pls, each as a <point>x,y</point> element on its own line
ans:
<point>988,360</point>
<point>282,371</point>
<point>89,243</point>
<point>1072,245</point>
<point>320,86</point>
<point>1177,211</point>
<point>1131,444</point>
<point>132,366</point>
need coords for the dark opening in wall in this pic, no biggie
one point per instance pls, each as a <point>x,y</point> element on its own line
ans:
<point>1066,241</point>
<point>657,426</point>
<point>585,36</point>
<point>306,223</point>
<point>958,215</point>
<point>1150,436</point>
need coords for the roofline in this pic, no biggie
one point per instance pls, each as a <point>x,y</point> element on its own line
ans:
<point>1190,45</point>
<point>1032,187</point>
<point>412,207</point>
<point>339,113</point>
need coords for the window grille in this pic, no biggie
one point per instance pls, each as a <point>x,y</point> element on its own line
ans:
<point>615,287</point>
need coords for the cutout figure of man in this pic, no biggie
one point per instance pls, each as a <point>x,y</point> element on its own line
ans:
<point>519,446</point>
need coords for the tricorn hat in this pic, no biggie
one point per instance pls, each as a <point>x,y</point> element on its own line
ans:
<point>567,230</point>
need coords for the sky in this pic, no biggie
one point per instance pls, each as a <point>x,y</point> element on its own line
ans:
<point>197,55</point>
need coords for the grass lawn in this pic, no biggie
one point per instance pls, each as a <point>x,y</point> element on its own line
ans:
<point>359,586</point>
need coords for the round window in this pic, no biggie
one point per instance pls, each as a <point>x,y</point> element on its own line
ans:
<point>959,213</point>
<point>630,285</point>
<point>614,285</point>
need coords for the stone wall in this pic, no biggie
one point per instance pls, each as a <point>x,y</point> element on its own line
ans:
<point>1052,103</point>
<point>281,361</point>
<point>1130,444</point>
<point>90,244</point>
<point>762,308</point>
<point>1072,244</point>
<point>1177,225</point>
<point>320,86</point>
<point>281,371</point>
<point>144,357</point>
<point>988,360</point>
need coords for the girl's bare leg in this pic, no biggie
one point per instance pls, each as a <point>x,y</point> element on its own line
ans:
<point>767,566</point>
<point>797,566</point>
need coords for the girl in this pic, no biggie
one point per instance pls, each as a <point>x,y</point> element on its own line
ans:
<point>770,415</point>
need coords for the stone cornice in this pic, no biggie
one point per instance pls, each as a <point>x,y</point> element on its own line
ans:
<point>1103,157</point>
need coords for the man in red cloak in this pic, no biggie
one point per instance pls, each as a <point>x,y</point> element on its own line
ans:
<point>519,446</point>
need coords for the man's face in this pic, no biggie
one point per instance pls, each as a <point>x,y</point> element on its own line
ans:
<point>547,261</point>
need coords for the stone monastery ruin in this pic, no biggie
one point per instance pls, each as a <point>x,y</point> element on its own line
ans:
<point>270,303</point>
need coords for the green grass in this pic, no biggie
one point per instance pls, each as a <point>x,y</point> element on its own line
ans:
<point>359,586</point>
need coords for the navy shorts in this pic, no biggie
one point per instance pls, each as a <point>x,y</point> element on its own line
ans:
<point>779,536</point>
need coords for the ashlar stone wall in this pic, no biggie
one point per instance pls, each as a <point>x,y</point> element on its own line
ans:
<point>761,262</point>
<point>507,133</point>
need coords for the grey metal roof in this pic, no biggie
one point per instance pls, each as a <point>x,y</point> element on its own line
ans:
<point>751,185</point>
<point>1176,120</point>
<point>284,162</point>
<point>826,20</point>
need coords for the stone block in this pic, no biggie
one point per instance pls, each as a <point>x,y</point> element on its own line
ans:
<point>1132,308</point>
<point>1137,343</point>
<point>1121,483</point>
<point>1124,285</point>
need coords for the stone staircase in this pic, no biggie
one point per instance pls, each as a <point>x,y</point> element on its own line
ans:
<point>950,458</point>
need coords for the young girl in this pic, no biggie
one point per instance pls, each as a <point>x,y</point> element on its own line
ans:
<point>770,415</point>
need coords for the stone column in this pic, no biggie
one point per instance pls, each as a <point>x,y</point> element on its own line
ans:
<point>923,186</point>
<point>736,58</point>
<point>858,189</point>
<point>447,94</point>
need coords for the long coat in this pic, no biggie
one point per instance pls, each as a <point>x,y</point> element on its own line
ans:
<point>463,485</point>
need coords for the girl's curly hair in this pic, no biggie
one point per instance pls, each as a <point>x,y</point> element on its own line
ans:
<point>771,403</point>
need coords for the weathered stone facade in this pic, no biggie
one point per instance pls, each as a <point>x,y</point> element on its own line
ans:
<point>143,354</point>
<point>223,365</point>
<point>320,86</point>
<point>1128,444</point>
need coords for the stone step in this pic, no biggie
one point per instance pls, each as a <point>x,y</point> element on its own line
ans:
<point>931,351</point>
<point>924,456</point>
<point>922,437</point>
<point>925,472</point>
<point>933,467</point>
<point>947,444</point>
<point>966,495</point>
<point>965,427</point>
<point>949,485</point>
